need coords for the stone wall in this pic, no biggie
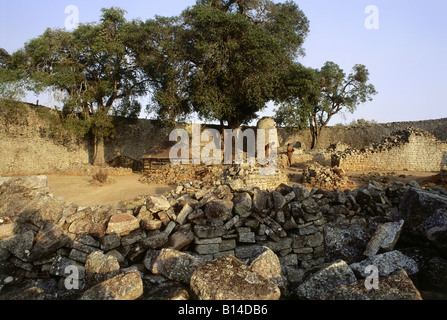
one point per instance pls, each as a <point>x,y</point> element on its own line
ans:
<point>444,167</point>
<point>411,149</point>
<point>30,145</point>
<point>361,136</point>
<point>304,242</point>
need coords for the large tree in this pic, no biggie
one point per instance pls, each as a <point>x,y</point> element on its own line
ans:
<point>220,58</point>
<point>309,98</point>
<point>93,67</point>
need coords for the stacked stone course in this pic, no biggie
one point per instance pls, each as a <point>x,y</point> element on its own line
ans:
<point>410,149</point>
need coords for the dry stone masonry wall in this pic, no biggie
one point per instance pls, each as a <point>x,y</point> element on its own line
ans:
<point>410,149</point>
<point>30,145</point>
<point>287,242</point>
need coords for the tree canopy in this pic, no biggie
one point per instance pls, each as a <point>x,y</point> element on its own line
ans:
<point>221,59</point>
<point>94,69</point>
<point>309,98</point>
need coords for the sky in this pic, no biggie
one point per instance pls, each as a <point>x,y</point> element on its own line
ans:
<point>403,44</point>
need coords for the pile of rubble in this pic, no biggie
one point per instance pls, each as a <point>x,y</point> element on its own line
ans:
<point>289,242</point>
<point>325,177</point>
<point>171,174</point>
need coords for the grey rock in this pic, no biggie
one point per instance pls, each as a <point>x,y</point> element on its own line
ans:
<point>50,238</point>
<point>387,263</point>
<point>128,286</point>
<point>236,282</point>
<point>19,245</point>
<point>155,241</point>
<point>173,264</point>
<point>260,199</point>
<point>397,286</point>
<point>219,210</point>
<point>110,241</point>
<point>100,267</point>
<point>345,241</point>
<point>242,204</point>
<point>310,206</point>
<point>385,238</point>
<point>279,200</point>
<point>209,231</point>
<point>336,274</point>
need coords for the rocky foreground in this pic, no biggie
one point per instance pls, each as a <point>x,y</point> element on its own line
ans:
<point>228,242</point>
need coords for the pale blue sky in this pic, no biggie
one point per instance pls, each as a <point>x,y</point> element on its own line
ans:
<point>406,56</point>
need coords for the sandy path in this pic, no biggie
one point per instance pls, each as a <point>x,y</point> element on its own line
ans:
<point>80,190</point>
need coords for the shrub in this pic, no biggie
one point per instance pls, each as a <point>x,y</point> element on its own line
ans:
<point>101,176</point>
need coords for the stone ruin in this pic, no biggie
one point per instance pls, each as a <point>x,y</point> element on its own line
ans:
<point>411,149</point>
<point>283,243</point>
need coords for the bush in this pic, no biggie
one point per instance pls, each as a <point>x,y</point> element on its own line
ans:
<point>101,176</point>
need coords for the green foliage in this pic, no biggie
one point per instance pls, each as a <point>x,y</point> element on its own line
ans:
<point>221,59</point>
<point>310,98</point>
<point>92,66</point>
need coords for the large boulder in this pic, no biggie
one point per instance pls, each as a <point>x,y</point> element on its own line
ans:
<point>425,216</point>
<point>386,263</point>
<point>345,241</point>
<point>227,278</point>
<point>397,286</point>
<point>335,274</point>
<point>127,286</point>
<point>385,238</point>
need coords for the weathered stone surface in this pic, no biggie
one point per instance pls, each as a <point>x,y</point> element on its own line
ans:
<point>310,206</point>
<point>50,238</point>
<point>173,264</point>
<point>266,263</point>
<point>110,241</point>
<point>336,274</point>
<point>168,291</point>
<point>397,286</point>
<point>100,267</point>
<point>209,232</point>
<point>227,278</point>
<point>219,210</point>
<point>183,214</point>
<point>434,229</point>
<point>386,263</point>
<point>260,198</point>
<point>417,206</point>
<point>122,224</point>
<point>385,238</point>
<point>155,241</point>
<point>6,230</point>
<point>345,241</point>
<point>181,239</point>
<point>157,203</point>
<point>279,200</point>
<point>19,245</point>
<point>61,267</point>
<point>127,286</point>
<point>242,204</point>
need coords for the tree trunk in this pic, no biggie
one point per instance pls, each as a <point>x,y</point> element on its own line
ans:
<point>99,159</point>
<point>315,137</point>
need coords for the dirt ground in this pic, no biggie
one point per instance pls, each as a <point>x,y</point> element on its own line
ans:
<point>82,191</point>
